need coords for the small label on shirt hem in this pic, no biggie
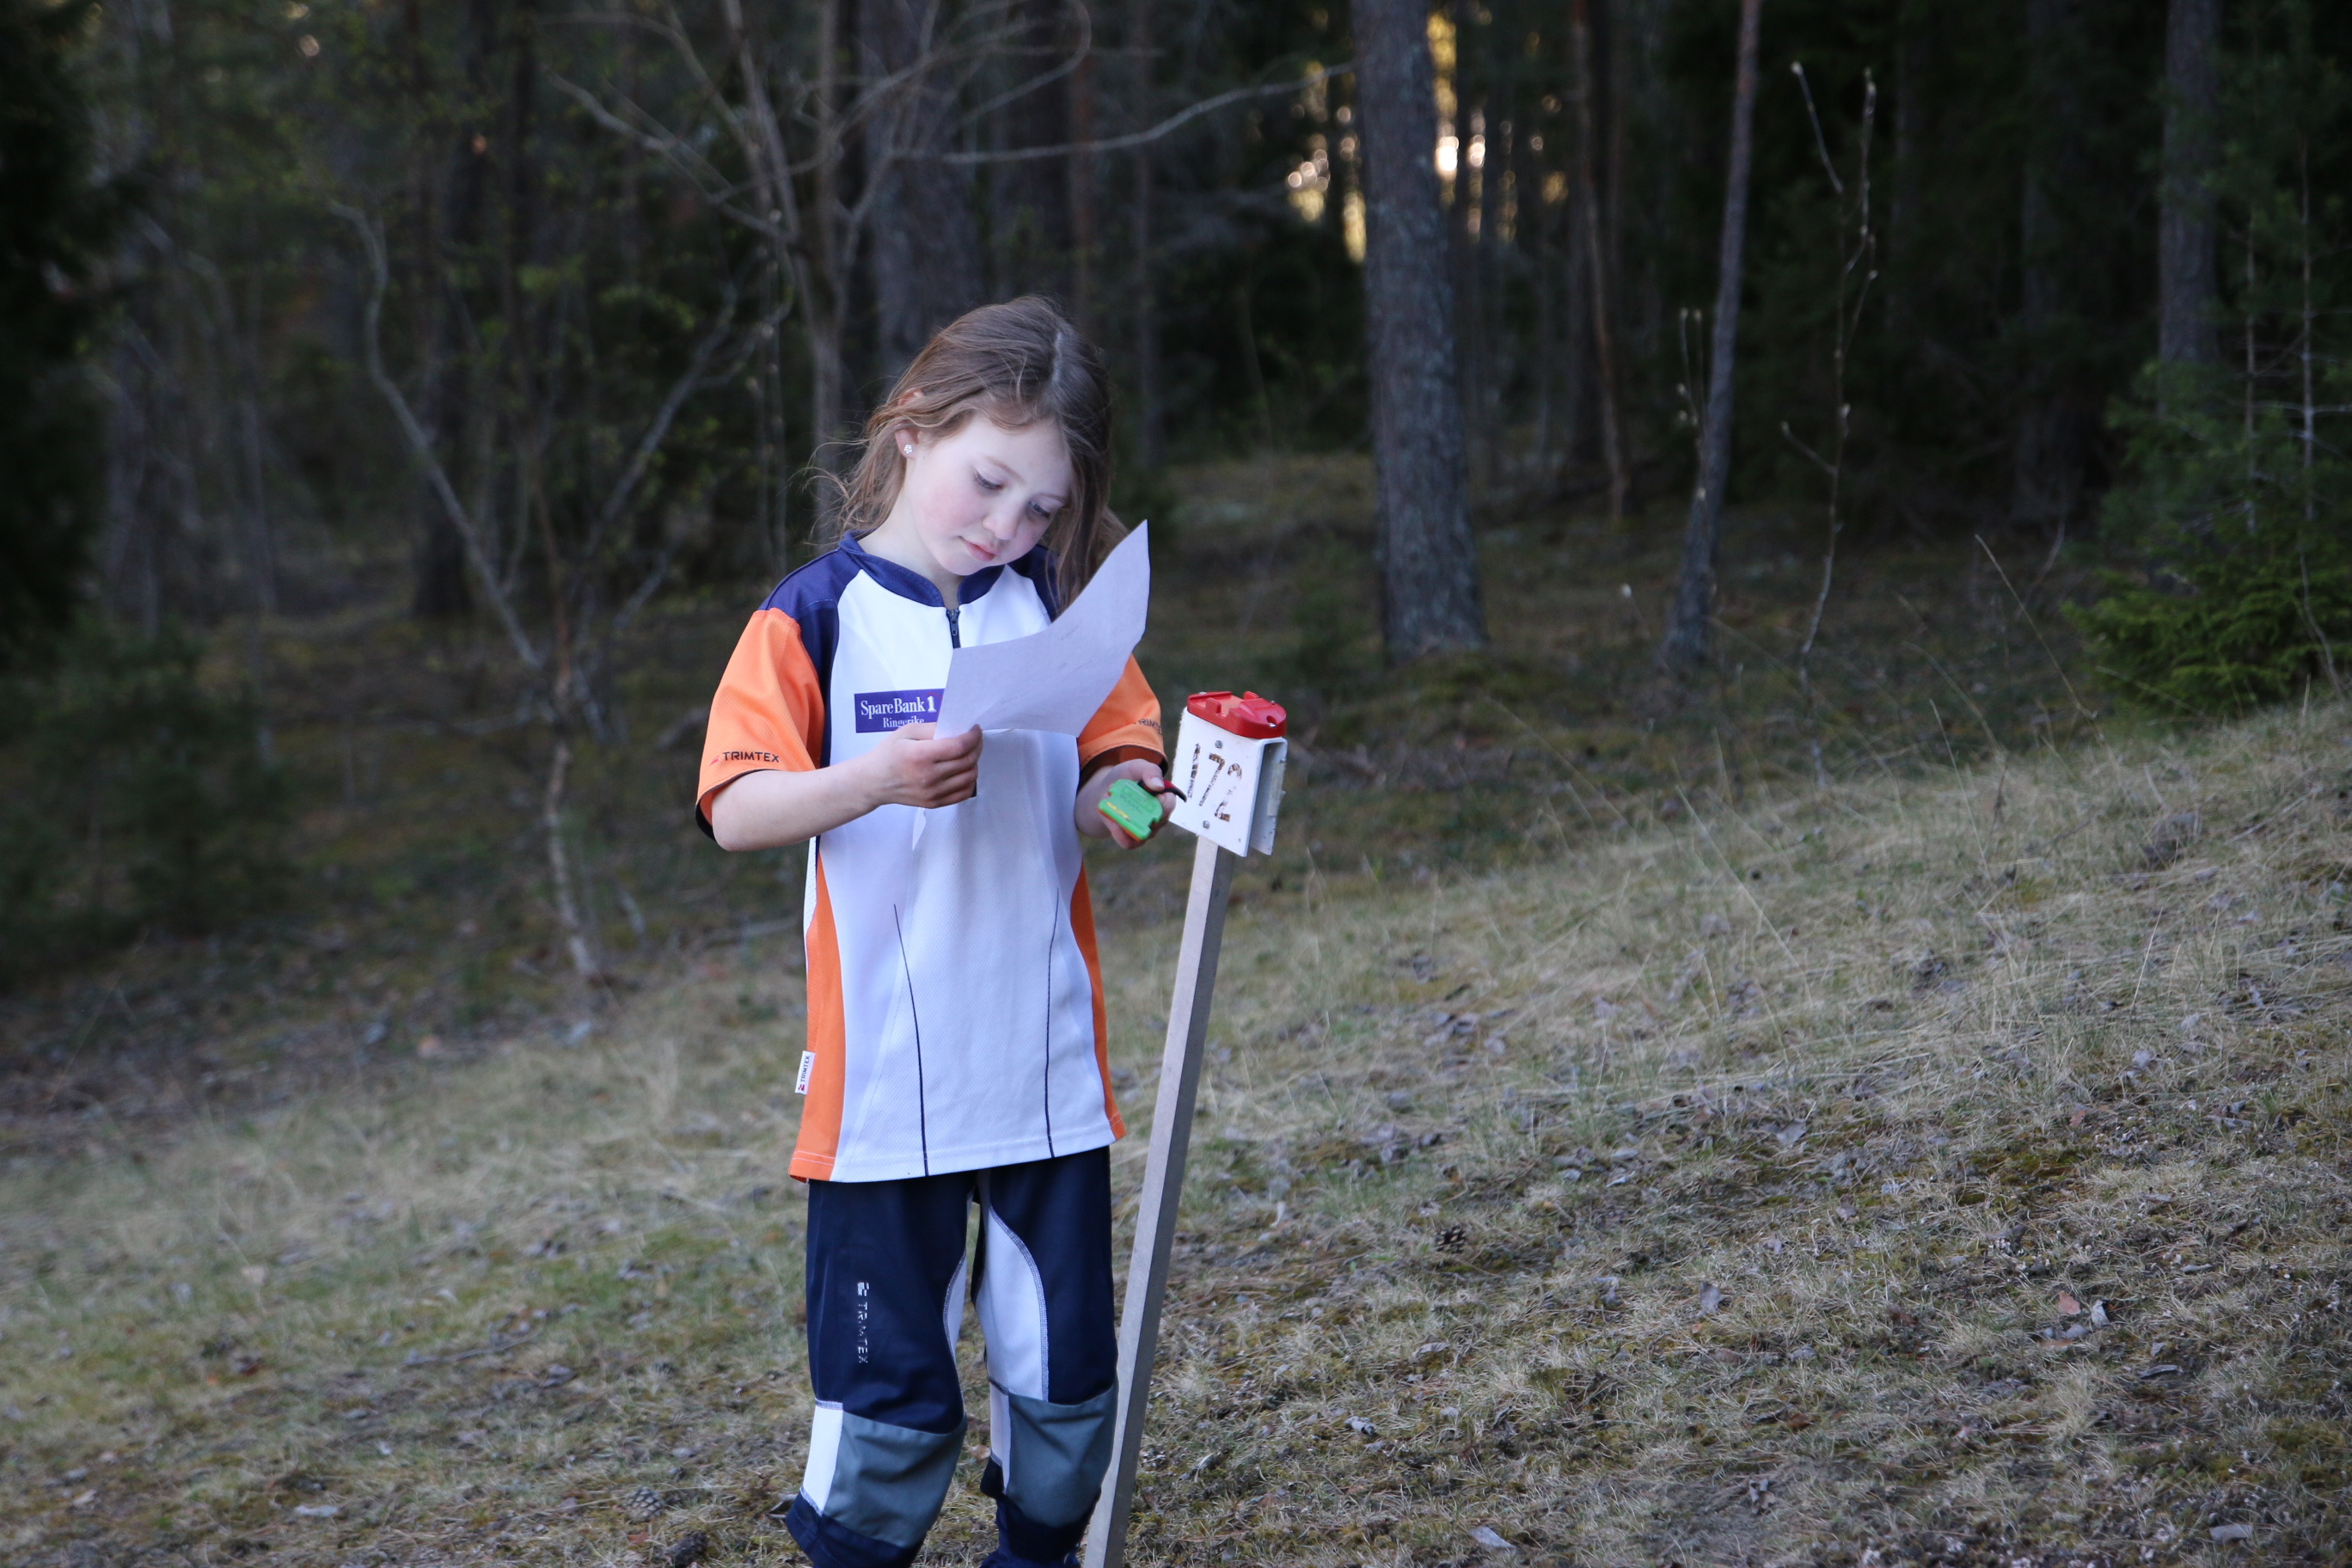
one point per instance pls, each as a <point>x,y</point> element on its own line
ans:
<point>808,1066</point>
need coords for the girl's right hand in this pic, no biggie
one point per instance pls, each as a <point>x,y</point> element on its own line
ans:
<point>914,766</point>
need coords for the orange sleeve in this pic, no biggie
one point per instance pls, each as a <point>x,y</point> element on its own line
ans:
<point>767,714</point>
<point>1129,719</point>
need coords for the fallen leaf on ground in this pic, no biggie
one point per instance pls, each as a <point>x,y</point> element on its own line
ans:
<point>1709,1298</point>
<point>1490,1541</point>
<point>2233,1533</point>
<point>2067,1305</point>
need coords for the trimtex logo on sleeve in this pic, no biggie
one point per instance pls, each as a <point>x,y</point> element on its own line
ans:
<point>896,709</point>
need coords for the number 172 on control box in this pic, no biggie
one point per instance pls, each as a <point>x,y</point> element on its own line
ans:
<point>1228,760</point>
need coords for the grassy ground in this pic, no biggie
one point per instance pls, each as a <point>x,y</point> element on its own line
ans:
<point>422,918</point>
<point>1948,1167</point>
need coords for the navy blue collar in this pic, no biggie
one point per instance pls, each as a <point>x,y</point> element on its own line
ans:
<point>914,585</point>
<point>1037,566</point>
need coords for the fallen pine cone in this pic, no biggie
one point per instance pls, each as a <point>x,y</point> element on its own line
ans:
<point>691,1547</point>
<point>642,1503</point>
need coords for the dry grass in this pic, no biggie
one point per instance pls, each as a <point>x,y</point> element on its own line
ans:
<point>1709,1192</point>
<point>1859,1096</point>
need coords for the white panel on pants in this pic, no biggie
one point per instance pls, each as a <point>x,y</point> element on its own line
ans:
<point>824,1447</point>
<point>952,1313</point>
<point>1012,1316</point>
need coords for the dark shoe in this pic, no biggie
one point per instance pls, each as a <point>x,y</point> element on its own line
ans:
<point>1002,1558</point>
<point>1023,1543</point>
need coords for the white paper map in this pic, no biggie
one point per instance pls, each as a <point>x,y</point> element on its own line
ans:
<point>1056,679</point>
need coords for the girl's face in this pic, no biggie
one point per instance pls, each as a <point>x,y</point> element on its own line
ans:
<point>976,497</point>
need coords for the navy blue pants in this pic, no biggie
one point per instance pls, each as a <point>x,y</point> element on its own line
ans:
<point>886,1287</point>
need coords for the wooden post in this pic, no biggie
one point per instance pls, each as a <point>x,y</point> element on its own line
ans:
<point>1164,1184</point>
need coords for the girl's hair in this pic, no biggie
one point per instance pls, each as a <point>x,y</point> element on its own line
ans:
<point>1018,363</point>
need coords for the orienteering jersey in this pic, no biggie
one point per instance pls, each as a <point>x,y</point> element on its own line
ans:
<point>955,1000</point>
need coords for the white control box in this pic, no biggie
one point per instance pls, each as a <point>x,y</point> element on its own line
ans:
<point>1232,784</point>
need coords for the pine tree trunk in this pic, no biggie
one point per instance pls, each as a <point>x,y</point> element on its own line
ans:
<point>1429,568</point>
<point>1460,203</point>
<point>2187,274</point>
<point>1913,65</point>
<point>2053,431</point>
<point>1030,202</point>
<point>1533,237</point>
<point>1691,624</point>
<point>1579,435</point>
<point>825,306</point>
<point>438,590</point>
<point>926,268</point>
<point>1082,195</point>
<point>1151,439</point>
<point>1485,403</point>
<point>1596,265</point>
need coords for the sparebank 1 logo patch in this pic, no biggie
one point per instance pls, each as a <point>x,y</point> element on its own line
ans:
<point>895,709</point>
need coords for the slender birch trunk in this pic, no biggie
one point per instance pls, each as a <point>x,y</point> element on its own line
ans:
<point>1691,625</point>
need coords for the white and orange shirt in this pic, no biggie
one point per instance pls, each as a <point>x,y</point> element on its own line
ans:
<point>955,1000</point>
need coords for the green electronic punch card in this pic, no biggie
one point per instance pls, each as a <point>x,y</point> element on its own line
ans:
<point>1132,806</point>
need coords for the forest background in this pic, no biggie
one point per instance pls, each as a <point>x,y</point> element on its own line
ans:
<point>402,405</point>
<point>520,334</point>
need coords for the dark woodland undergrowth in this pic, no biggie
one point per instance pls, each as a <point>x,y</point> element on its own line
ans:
<point>1614,1145</point>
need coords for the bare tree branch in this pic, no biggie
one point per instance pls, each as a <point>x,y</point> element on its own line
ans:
<point>698,376</point>
<point>1014,94</point>
<point>671,149</point>
<point>1140,138</point>
<point>420,444</point>
<point>645,589</point>
<point>658,429</point>
<point>1824,464</point>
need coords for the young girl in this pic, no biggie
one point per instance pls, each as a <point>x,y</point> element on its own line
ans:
<point>955,1005</point>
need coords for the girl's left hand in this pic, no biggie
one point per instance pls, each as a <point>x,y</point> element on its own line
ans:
<point>1092,823</point>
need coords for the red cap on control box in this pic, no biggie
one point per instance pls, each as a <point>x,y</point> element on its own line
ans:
<point>1249,715</point>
